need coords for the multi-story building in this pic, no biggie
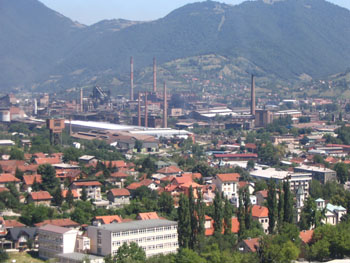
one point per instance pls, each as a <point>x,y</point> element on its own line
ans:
<point>55,240</point>
<point>333,213</point>
<point>155,236</point>
<point>261,214</point>
<point>92,188</point>
<point>295,179</point>
<point>322,174</point>
<point>227,184</point>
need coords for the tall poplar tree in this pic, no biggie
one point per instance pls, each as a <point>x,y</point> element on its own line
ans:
<point>280,207</point>
<point>194,220</point>
<point>218,213</point>
<point>247,208</point>
<point>272,205</point>
<point>184,227</point>
<point>227,217</point>
<point>200,209</point>
<point>288,203</point>
<point>241,214</point>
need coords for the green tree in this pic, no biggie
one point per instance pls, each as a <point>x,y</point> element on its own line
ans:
<point>250,165</point>
<point>19,174</point>
<point>84,195</point>
<point>3,255</point>
<point>184,225</point>
<point>188,256</point>
<point>138,145</point>
<point>342,172</point>
<point>16,154</point>
<point>247,208</point>
<point>69,198</point>
<point>228,211</point>
<point>166,203</point>
<point>130,253</point>
<point>241,215</point>
<point>48,176</point>
<point>272,205</point>
<point>194,219</point>
<point>36,186</point>
<point>71,154</point>
<point>288,203</point>
<point>200,210</point>
<point>57,196</point>
<point>218,213</point>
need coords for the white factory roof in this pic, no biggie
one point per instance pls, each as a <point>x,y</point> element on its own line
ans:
<point>279,175</point>
<point>314,169</point>
<point>101,125</point>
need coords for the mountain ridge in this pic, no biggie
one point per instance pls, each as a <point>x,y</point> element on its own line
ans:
<point>286,40</point>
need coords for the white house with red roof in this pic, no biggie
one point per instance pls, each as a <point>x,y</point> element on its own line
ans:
<point>92,188</point>
<point>9,178</point>
<point>40,198</point>
<point>227,184</point>
<point>261,214</point>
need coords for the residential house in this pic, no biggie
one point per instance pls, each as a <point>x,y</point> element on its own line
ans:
<point>92,188</point>
<point>40,198</point>
<point>28,181</point>
<point>261,197</point>
<point>250,245</point>
<point>18,238</point>
<point>227,184</point>
<point>119,196</point>
<point>170,170</point>
<point>106,220</point>
<point>147,216</point>
<point>153,185</point>
<point>118,178</point>
<point>74,193</point>
<point>209,226</point>
<point>54,240</point>
<point>261,214</point>
<point>63,222</point>
<point>7,179</point>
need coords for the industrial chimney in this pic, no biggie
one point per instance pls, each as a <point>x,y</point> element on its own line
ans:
<point>131,78</point>
<point>252,102</point>
<point>165,104</point>
<point>146,110</point>
<point>154,75</point>
<point>81,100</point>
<point>139,111</point>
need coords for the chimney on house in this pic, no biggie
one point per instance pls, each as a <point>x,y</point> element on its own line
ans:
<point>165,105</point>
<point>139,111</point>
<point>146,110</point>
<point>252,102</point>
<point>131,78</point>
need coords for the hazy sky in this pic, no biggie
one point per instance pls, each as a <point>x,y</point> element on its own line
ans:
<point>92,11</point>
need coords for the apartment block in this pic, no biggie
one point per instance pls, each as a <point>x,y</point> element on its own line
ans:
<point>155,236</point>
<point>54,240</point>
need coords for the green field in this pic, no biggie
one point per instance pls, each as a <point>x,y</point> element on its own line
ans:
<point>23,257</point>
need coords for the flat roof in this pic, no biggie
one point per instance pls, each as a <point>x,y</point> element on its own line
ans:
<point>280,175</point>
<point>315,169</point>
<point>136,224</point>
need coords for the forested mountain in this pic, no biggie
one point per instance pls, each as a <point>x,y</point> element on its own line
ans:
<point>282,40</point>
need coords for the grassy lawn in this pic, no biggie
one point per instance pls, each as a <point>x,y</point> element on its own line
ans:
<point>23,257</point>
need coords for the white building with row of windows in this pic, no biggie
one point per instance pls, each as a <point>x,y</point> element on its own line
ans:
<point>155,236</point>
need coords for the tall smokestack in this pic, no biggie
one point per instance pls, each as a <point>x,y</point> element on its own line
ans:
<point>139,111</point>
<point>154,75</point>
<point>252,103</point>
<point>35,107</point>
<point>81,100</point>
<point>165,104</point>
<point>131,78</point>
<point>146,110</point>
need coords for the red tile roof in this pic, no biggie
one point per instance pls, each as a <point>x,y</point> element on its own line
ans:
<point>48,160</point>
<point>41,195</point>
<point>7,178</point>
<point>231,177</point>
<point>13,224</point>
<point>236,155</point>
<point>252,243</point>
<point>169,170</point>
<point>306,235</point>
<point>119,175</point>
<point>109,219</point>
<point>263,193</point>
<point>87,183</point>
<point>65,222</point>
<point>74,193</point>
<point>29,179</point>
<point>148,216</point>
<point>120,192</point>
<point>250,146</point>
<point>260,211</point>
<point>4,189</point>
<point>117,164</point>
